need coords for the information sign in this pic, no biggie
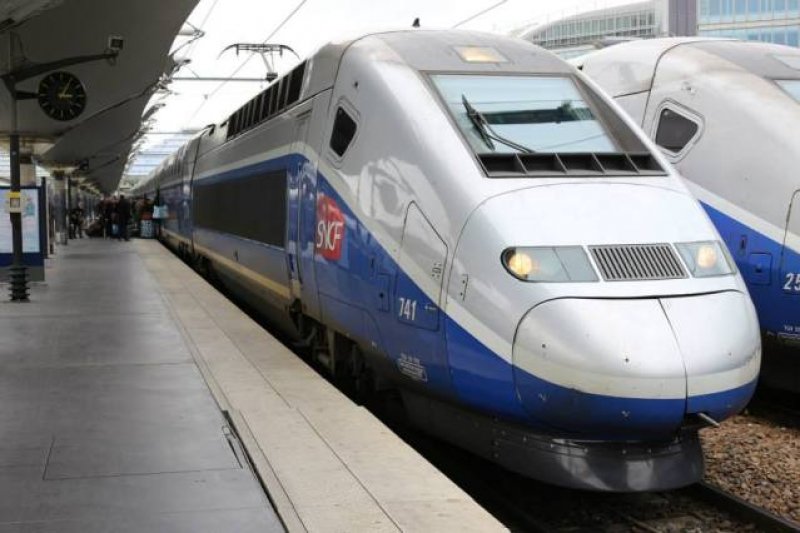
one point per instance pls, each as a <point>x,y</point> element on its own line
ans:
<point>30,221</point>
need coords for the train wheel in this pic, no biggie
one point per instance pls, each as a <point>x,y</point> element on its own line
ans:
<point>361,377</point>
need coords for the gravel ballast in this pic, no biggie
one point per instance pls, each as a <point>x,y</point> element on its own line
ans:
<point>757,460</point>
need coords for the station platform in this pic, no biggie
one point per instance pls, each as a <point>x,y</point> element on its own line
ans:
<point>135,397</point>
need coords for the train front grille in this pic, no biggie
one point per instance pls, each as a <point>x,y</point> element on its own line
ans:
<point>637,262</point>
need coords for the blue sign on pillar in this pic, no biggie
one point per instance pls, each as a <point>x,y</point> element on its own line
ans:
<point>33,232</point>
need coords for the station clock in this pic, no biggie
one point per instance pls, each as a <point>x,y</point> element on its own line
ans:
<point>61,96</point>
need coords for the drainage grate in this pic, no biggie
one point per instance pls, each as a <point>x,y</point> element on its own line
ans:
<point>635,262</point>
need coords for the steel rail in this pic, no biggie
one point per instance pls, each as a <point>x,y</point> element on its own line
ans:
<point>743,509</point>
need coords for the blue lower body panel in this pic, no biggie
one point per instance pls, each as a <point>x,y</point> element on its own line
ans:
<point>765,266</point>
<point>486,381</point>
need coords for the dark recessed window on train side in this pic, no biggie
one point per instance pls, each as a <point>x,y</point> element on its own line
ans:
<point>674,130</point>
<point>249,121</point>
<point>252,207</point>
<point>257,109</point>
<point>245,116</point>
<point>234,127</point>
<point>344,129</point>
<point>273,99</point>
<point>283,86</point>
<point>296,82</point>
<point>263,106</point>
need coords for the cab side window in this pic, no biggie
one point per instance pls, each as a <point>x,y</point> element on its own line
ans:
<point>344,129</point>
<point>674,130</point>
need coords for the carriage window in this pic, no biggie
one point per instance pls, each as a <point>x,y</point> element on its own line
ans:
<point>792,87</point>
<point>237,206</point>
<point>675,130</point>
<point>344,129</point>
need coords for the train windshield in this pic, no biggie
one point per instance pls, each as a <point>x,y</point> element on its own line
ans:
<point>792,87</point>
<point>517,114</point>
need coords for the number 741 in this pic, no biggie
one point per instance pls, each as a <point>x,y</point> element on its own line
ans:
<point>407,309</point>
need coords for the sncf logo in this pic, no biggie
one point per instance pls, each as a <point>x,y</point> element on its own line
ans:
<point>330,229</point>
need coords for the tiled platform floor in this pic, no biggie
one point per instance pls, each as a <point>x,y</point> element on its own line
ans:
<point>106,422</point>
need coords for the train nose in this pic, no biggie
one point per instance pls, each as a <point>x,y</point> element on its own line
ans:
<point>635,369</point>
<point>720,343</point>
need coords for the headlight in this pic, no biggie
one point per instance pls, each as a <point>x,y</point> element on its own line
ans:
<point>549,263</point>
<point>705,259</point>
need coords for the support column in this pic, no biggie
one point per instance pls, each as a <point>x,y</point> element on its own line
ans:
<point>51,215</point>
<point>27,171</point>
<point>48,242</point>
<point>17,273</point>
<point>70,203</point>
<point>60,204</point>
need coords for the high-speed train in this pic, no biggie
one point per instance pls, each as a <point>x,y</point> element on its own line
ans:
<point>727,114</point>
<point>467,219</point>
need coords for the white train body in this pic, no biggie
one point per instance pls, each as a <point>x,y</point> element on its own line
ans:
<point>729,112</point>
<point>390,222</point>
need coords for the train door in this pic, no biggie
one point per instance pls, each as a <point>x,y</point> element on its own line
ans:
<point>299,166</point>
<point>419,343</point>
<point>790,257</point>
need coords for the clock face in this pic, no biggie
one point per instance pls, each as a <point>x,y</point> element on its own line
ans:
<point>61,96</point>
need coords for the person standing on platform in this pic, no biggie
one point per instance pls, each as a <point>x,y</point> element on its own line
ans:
<point>76,215</point>
<point>108,216</point>
<point>123,216</point>
<point>100,214</point>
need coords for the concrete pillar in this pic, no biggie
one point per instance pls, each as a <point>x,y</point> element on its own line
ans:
<point>27,176</point>
<point>60,204</point>
<point>51,220</point>
<point>70,200</point>
<point>46,192</point>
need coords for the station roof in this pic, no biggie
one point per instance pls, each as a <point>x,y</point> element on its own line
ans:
<point>14,12</point>
<point>96,142</point>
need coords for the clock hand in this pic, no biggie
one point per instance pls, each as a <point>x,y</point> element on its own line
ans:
<point>63,94</point>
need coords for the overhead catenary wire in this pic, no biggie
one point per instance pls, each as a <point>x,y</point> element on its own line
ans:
<point>242,65</point>
<point>198,34</point>
<point>480,13</point>
<point>192,44</point>
<point>201,26</point>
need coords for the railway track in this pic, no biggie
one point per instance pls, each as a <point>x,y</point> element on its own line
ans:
<point>763,519</point>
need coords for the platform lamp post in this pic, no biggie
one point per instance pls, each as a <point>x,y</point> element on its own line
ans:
<point>18,277</point>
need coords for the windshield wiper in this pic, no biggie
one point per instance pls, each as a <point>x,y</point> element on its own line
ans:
<point>486,132</point>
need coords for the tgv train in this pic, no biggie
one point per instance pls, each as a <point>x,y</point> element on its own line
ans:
<point>468,219</point>
<point>727,114</point>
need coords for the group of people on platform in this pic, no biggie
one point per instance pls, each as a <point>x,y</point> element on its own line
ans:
<point>115,213</point>
<point>115,218</point>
